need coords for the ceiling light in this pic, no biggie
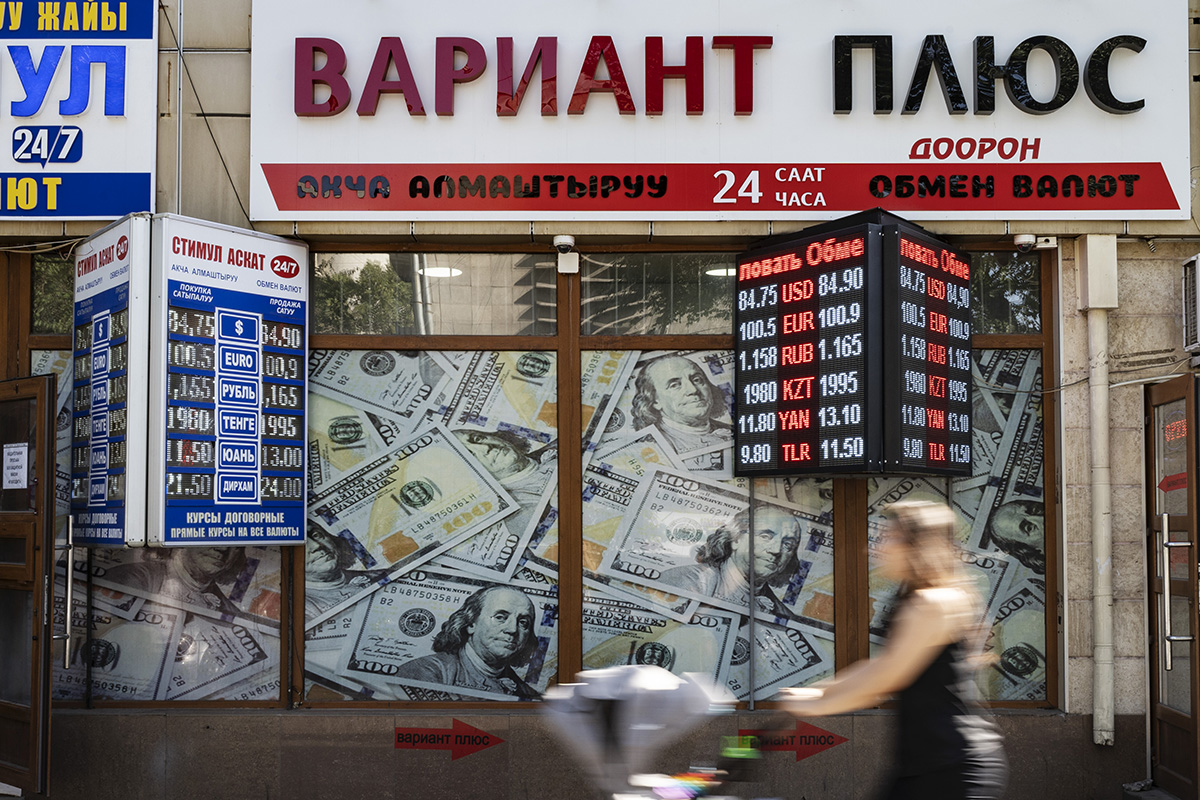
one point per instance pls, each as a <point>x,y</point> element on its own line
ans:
<point>441,272</point>
<point>722,272</point>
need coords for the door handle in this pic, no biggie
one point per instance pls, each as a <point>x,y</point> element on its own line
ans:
<point>69,597</point>
<point>1165,556</point>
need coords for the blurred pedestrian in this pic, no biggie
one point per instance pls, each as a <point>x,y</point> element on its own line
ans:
<point>945,747</point>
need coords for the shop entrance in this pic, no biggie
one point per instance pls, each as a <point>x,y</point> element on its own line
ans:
<point>1171,558</point>
<point>26,584</point>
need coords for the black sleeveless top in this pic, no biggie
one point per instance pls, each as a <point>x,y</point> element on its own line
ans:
<point>940,723</point>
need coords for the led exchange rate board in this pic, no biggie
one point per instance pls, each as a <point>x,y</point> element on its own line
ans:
<point>927,355</point>
<point>805,317</point>
<point>229,335</point>
<point>853,354</point>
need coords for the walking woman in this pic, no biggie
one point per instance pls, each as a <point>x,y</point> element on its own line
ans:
<point>944,748</point>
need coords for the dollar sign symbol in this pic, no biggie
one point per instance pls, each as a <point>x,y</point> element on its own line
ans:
<point>237,326</point>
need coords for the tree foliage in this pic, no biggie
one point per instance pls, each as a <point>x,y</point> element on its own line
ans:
<point>377,298</point>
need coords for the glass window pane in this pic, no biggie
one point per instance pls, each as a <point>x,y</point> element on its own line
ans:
<point>53,294</point>
<point>657,293</point>
<point>187,624</point>
<point>59,364</point>
<point>1003,507</point>
<point>16,631</point>
<point>1175,685</point>
<point>1170,450</point>
<point>434,293</point>
<point>18,438</point>
<point>1006,293</point>
<point>882,590</point>
<point>795,647</point>
<point>673,562</point>
<point>431,557</point>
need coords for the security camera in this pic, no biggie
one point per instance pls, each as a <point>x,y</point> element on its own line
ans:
<point>564,243</point>
<point>1024,242</point>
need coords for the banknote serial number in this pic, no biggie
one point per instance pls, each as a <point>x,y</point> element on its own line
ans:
<point>421,594</point>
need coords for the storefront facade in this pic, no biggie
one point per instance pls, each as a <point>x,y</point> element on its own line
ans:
<point>521,386</point>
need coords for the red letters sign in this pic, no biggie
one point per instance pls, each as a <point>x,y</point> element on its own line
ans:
<point>460,739</point>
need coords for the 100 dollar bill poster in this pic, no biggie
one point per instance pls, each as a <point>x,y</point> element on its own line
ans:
<point>668,577</point>
<point>431,563</point>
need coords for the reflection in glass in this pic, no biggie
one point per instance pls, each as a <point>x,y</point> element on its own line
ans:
<point>59,364</point>
<point>434,293</point>
<point>183,624</point>
<point>53,294</point>
<point>1002,506</point>
<point>882,590</point>
<point>1175,685</point>
<point>657,293</point>
<point>675,560</point>
<point>1171,437</point>
<point>1006,295</point>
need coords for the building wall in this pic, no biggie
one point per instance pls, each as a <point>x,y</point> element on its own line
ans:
<point>122,755</point>
<point>1144,340</point>
<point>303,753</point>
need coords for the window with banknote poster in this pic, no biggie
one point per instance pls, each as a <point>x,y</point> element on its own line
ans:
<point>202,624</point>
<point>1003,504</point>
<point>441,511</point>
<point>431,566</point>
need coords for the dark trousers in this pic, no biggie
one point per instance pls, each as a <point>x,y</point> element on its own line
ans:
<point>977,779</point>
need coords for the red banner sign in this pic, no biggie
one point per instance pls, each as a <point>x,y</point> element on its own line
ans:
<point>717,189</point>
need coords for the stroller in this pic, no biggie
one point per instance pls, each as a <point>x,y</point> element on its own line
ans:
<point>617,720</point>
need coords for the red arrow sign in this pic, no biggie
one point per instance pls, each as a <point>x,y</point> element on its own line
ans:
<point>461,739</point>
<point>807,740</point>
<point>1172,482</point>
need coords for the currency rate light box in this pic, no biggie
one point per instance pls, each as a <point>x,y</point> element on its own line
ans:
<point>853,355</point>
<point>108,397</point>
<point>228,343</point>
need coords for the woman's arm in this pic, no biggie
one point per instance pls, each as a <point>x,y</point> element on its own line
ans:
<point>923,626</point>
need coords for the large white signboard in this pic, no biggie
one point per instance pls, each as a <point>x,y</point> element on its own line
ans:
<point>108,445</point>
<point>720,109</point>
<point>78,108</point>
<point>228,339</point>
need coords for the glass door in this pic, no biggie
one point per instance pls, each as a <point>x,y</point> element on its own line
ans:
<point>26,585</point>
<point>1171,560</point>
